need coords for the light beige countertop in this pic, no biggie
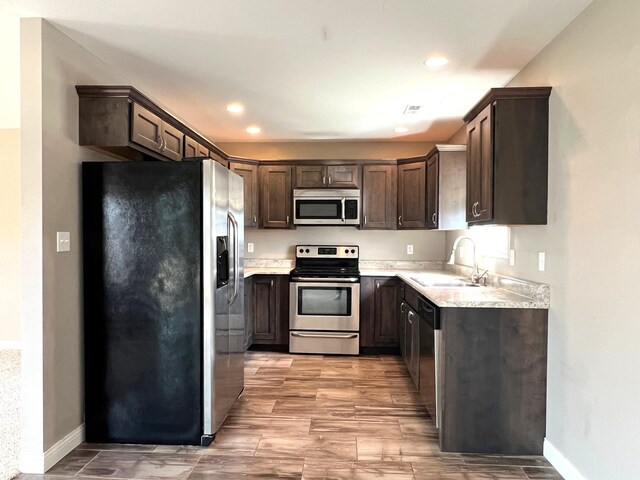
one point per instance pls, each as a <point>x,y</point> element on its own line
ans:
<point>500,292</point>
<point>250,271</point>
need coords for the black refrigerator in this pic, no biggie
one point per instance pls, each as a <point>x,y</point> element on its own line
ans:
<point>163,247</point>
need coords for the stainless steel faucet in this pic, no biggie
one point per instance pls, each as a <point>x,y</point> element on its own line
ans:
<point>475,274</point>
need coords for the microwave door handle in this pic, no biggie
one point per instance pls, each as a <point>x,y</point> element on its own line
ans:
<point>344,200</point>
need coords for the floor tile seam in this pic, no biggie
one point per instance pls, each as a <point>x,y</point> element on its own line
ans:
<point>98,452</point>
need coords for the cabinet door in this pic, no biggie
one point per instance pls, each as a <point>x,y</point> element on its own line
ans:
<point>264,309</point>
<point>308,176</point>
<point>385,320</point>
<point>480,167</point>
<point>379,196</point>
<point>250,175</point>
<point>173,141</point>
<point>201,151</point>
<point>275,196</point>
<point>432,192</point>
<point>190,147</point>
<point>343,176</point>
<point>411,195</point>
<point>146,128</point>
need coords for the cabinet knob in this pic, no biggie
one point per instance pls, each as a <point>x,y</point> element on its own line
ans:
<point>433,218</point>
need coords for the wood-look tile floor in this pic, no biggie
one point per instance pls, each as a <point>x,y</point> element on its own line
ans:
<point>309,417</point>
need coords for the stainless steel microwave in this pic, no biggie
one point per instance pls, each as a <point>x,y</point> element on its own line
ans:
<point>323,206</point>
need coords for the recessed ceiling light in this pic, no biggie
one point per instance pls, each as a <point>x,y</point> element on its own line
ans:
<point>436,62</point>
<point>235,108</point>
<point>401,129</point>
<point>253,130</point>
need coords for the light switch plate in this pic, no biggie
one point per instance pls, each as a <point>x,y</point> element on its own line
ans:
<point>63,242</point>
<point>512,258</point>
<point>409,249</point>
<point>541,261</point>
<point>250,247</point>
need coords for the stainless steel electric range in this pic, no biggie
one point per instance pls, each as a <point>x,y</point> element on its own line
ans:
<point>325,300</point>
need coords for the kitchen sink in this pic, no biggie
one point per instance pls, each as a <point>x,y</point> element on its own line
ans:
<point>453,283</point>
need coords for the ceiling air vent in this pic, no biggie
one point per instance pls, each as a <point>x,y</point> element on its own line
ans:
<point>411,109</point>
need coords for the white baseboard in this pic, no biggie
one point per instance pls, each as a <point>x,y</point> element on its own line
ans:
<point>13,345</point>
<point>39,462</point>
<point>560,462</point>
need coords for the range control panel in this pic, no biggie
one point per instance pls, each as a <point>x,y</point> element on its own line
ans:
<point>327,251</point>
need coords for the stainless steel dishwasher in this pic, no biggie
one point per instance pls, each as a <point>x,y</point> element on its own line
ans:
<point>430,361</point>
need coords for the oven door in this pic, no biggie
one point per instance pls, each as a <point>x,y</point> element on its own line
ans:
<point>324,306</point>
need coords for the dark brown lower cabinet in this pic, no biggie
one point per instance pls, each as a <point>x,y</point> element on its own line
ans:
<point>494,376</point>
<point>378,312</point>
<point>270,310</point>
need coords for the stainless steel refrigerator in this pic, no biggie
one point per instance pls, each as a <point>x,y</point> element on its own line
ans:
<point>163,275</point>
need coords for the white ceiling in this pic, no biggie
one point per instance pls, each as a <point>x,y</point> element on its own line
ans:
<point>312,69</point>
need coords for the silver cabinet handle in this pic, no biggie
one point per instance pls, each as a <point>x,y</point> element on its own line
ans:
<point>287,219</point>
<point>329,179</point>
<point>365,219</point>
<point>324,335</point>
<point>255,219</point>
<point>271,283</point>
<point>402,307</point>
<point>400,220</point>
<point>474,209</point>
<point>161,147</point>
<point>433,218</point>
<point>410,316</point>
<point>324,180</point>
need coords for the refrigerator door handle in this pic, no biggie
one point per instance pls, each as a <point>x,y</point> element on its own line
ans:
<point>236,254</point>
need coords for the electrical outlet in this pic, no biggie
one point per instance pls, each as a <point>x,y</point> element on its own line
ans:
<point>409,249</point>
<point>541,260</point>
<point>250,247</point>
<point>512,258</point>
<point>63,242</point>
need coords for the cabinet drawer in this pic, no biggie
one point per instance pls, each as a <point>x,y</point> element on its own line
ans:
<point>336,343</point>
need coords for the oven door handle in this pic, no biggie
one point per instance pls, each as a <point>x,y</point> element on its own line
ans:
<point>325,335</point>
<point>344,208</point>
<point>325,279</point>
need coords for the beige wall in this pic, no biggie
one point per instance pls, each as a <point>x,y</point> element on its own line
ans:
<point>326,150</point>
<point>592,238</point>
<point>10,236</point>
<point>374,244</point>
<point>52,65</point>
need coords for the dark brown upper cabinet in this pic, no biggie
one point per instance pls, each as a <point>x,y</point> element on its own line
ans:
<point>275,196</point>
<point>327,176</point>
<point>507,157</point>
<point>123,122</point>
<point>446,187</point>
<point>193,149</point>
<point>249,172</point>
<point>379,196</point>
<point>152,132</point>
<point>412,194</point>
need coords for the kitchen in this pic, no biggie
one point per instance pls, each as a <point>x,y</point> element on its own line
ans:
<point>582,378</point>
